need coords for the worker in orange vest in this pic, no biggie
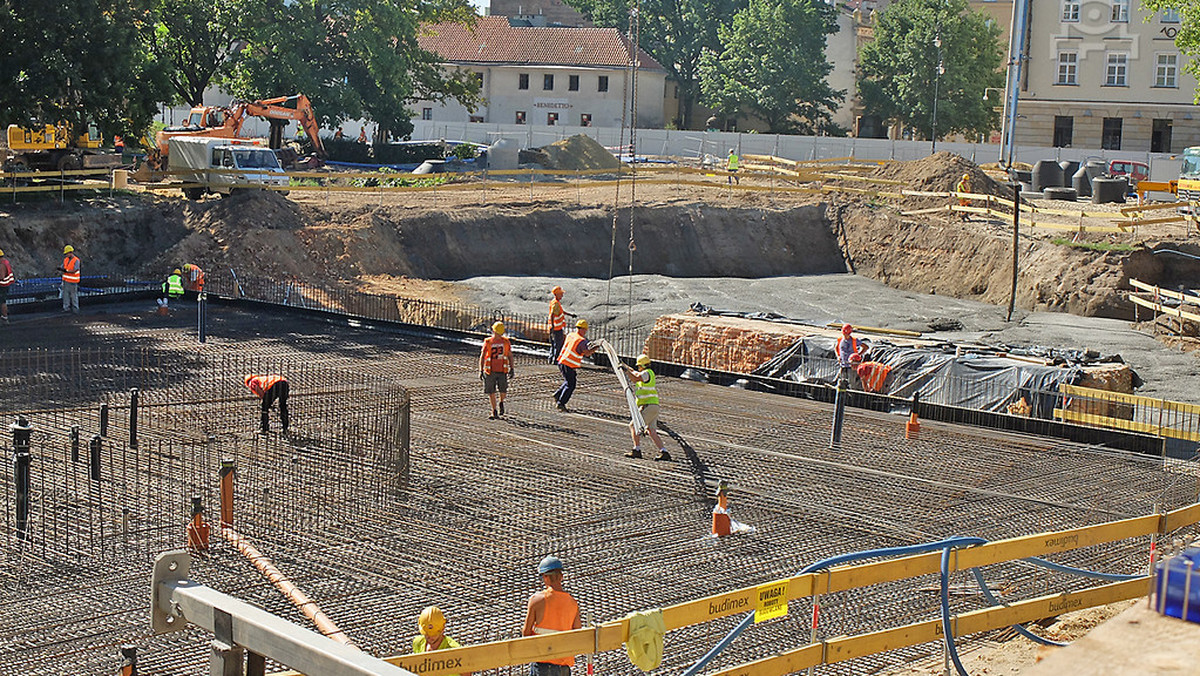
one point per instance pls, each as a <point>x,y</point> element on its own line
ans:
<point>193,280</point>
<point>270,388</point>
<point>573,352</point>
<point>558,323</point>
<point>70,270</point>
<point>495,367</point>
<point>873,375</point>
<point>7,279</point>
<point>847,348</point>
<point>549,611</point>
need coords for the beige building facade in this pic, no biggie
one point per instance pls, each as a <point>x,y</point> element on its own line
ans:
<point>1100,75</point>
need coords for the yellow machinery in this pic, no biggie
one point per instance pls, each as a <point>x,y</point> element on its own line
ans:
<point>52,148</point>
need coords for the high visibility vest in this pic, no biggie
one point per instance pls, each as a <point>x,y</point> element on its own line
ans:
<point>963,186</point>
<point>558,614</point>
<point>195,278</point>
<point>496,355</point>
<point>8,278</point>
<point>733,162</point>
<point>260,384</point>
<point>873,375</point>
<point>646,392</point>
<point>173,287</point>
<point>838,350</point>
<point>571,355</point>
<point>421,645</point>
<point>71,265</point>
<point>558,318</point>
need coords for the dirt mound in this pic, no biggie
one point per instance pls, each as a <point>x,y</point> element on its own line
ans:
<point>940,173</point>
<point>577,152</point>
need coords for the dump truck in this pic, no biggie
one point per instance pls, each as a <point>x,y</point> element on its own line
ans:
<point>224,166</point>
<point>53,147</point>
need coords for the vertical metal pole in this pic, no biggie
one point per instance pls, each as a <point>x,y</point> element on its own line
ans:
<point>202,316</point>
<point>125,524</point>
<point>74,443</point>
<point>104,420</point>
<point>839,408</point>
<point>22,459</point>
<point>226,474</point>
<point>256,665</point>
<point>94,459</point>
<point>133,414</point>
<point>1012,296</point>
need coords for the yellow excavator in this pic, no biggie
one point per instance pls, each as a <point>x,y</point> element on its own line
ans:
<point>53,147</point>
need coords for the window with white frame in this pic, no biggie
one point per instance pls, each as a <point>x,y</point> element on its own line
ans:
<point>1070,10</point>
<point>1166,68</point>
<point>1114,73</point>
<point>1120,11</point>
<point>1068,64</point>
<point>1170,16</point>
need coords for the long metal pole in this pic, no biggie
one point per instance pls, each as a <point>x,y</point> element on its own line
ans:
<point>1016,62</point>
<point>1012,296</point>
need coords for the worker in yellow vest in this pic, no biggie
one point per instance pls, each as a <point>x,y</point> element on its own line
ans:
<point>432,625</point>
<point>963,186</point>
<point>573,352</point>
<point>732,167</point>
<point>645,391</point>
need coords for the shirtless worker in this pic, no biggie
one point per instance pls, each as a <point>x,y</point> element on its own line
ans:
<point>551,610</point>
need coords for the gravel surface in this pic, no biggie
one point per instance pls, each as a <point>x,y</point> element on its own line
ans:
<point>1168,372</point>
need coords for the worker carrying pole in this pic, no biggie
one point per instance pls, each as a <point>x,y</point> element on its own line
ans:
<point>573,352</point>
<point>646,392</point>
<point>549,611</point>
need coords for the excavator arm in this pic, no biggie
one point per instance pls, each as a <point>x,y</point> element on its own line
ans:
<point>295,108</point>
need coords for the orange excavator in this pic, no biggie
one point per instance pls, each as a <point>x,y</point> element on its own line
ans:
<point>226,122</point>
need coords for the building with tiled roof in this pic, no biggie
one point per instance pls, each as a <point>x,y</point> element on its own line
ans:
<point>547,75</point>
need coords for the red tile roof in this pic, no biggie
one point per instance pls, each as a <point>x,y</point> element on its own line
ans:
<point>494,41</point>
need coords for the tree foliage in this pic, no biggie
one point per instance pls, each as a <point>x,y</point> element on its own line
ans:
<point>353,59</point>
<point>196,37</point>
<point>898,71</point>
<point>85,61</point>
<point>1188,37</point>
<point>675,32</point>
<point>773,66</point>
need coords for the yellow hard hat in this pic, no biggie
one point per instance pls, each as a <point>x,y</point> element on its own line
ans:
<point>68,249</point>
<point>1,253</point>
<point>643,360</point>
<point>498,328</point>
<point>557,291</point>
<point>966,177</point>
<point>581,324</point>
<point>432,621</point>
<point>177,271</point>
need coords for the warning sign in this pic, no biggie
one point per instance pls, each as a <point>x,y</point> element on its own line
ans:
<point>772,601</point>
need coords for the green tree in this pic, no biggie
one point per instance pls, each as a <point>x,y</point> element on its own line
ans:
<point>773,66</point>
<point>898,71</point>
<point>1188,37</point>
<point>82,62</point>
<point>196,37</point>
<point>675,32</point>
<point>353,59</point>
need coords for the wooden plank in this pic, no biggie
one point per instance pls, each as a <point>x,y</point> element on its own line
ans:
<point>1151,207</point>
<point>1194,298</point>
<point>850,647</point>
<point>1159,307</point>
<point>730,603</point>
<point>843,578</point>
<point>931,210</point>
<point>1106,395</point>
<point>1122,424</point>
<point>1049,543</point>
<point>1048,606</point>
<point>1153,221</point>
<point>1184,516</point>
<point>784,663</point>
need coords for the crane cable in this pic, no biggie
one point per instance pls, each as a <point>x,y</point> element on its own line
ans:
<point>628,120</point>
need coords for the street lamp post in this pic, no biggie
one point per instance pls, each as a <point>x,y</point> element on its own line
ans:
<point>937,75</point>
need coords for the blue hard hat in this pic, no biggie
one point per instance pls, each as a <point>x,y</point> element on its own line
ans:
<point>549,565</point>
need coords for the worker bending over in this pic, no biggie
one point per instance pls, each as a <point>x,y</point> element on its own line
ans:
<point>646,392</point>
<point>193,280</point>
<point>551,610</point>
<point>558,323</point>
<point>873,376</point>
<point>270,388</point>
<point>573,352</point>
<point>495,367</point>
<point>432,625</point>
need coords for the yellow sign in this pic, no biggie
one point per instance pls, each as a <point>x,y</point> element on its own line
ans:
<point>772,601</point>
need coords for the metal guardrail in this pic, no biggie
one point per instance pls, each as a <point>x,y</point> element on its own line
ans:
<point>1130,412</point>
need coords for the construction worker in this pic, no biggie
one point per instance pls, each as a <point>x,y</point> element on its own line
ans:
<point>495,368</point>
<point>193,280</point>
<point>71,275</point>
<point>7,279</point>
<point>873,375</point>
<point>847,349</point>
<point>432,625</point>
<point>119,146</point>
<point>339,134</point>
<point>646,392</point>
<point>963,186</point>
<point>172,288</point>
<point>558,323</point>
<point>574,350</point>
<point>362,135</point>
<point>551,610</point>
<point>270,388</point>
<point>732,167</point>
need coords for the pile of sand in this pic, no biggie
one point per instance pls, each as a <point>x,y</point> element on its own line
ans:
<point>577,152</point>
<point>940,173</point>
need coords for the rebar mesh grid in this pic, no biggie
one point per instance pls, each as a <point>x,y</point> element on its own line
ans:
<point>487,499</point>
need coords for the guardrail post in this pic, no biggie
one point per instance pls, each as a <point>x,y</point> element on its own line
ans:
<point>104,420</point>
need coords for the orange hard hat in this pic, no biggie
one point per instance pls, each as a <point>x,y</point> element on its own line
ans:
<point>846,329</point>
<point>557,291</point>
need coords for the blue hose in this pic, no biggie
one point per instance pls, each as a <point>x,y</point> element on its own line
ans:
<point>945,546</point>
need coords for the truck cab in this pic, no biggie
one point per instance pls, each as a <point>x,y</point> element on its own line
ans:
<point>224,166</point>
<point>1188,189</point>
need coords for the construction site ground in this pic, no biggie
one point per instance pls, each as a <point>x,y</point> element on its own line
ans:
<point>487,499</point>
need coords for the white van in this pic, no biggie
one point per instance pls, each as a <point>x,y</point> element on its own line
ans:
<point>224,165</point>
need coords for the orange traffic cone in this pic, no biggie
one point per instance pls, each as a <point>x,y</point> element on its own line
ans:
<point>912,428</point>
